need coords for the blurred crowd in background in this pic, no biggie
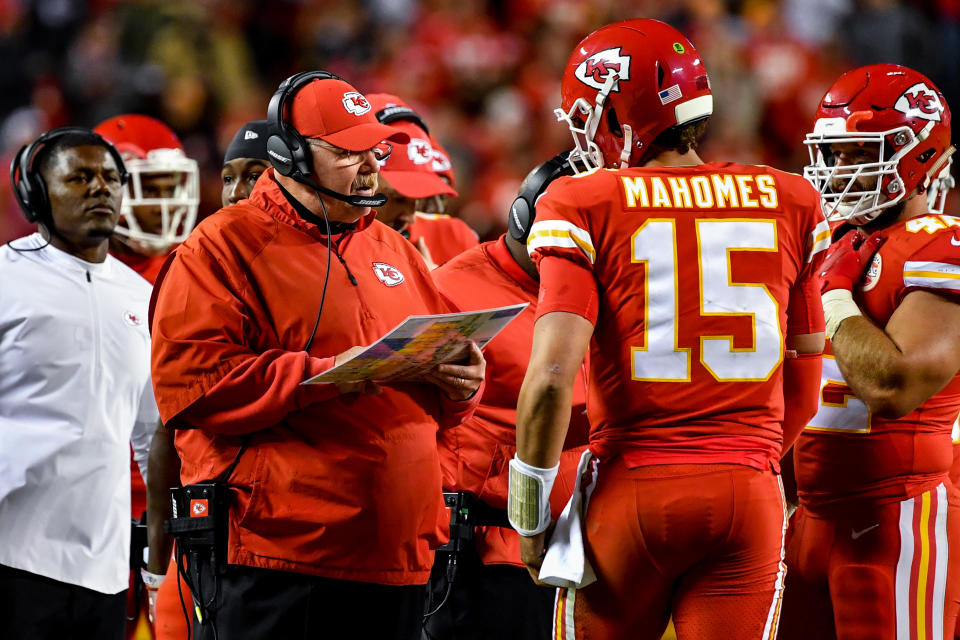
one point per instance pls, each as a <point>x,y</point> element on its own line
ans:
<point>485,74</point>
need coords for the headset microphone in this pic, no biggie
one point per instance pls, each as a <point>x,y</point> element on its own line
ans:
<point>357,201</point>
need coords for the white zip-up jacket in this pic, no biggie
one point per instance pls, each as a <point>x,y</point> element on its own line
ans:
<point>75,390</point>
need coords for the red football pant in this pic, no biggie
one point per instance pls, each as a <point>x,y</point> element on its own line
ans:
<point>883,574</point>
<point>701,542</point>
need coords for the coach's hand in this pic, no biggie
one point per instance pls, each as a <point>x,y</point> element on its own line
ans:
<point>357,386</point>
<point>460,381</point>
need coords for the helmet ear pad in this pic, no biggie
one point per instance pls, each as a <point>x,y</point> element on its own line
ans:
<point>523,210</point>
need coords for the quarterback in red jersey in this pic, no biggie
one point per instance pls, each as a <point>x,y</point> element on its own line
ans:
<point>872,551</point>
<point>491,595</point>
<point>694,286</point>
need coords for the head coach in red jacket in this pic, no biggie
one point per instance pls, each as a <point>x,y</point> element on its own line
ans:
<point>334,499</point>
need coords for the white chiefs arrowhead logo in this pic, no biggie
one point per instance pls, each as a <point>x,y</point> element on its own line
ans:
<point>355,103</point>
<point>419,151</point>
<point>387,274</point>
<point>920,101</point>
<point>594,70</point>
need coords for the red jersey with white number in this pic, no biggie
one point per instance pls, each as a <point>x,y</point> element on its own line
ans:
<point>696,270</point>
<point>846,453</point>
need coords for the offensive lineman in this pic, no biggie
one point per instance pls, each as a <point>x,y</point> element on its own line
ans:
<point>873,547</point>
<point>694,285</point>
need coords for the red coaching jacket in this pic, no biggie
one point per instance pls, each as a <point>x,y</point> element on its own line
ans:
<point>475,455</point>
<point>342,486</point>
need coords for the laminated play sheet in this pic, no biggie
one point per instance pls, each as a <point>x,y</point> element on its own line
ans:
<point>419,343</point>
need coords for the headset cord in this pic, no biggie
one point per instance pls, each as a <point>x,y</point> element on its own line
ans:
<point>326,276</point>
<point>43,246</point>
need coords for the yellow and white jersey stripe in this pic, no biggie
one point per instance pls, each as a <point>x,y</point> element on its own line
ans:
<point>819,239</point>
<point>560,234</point>
<point>937,275</point>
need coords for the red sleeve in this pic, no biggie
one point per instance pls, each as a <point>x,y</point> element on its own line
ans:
<point>935,267</point>
<point>805,309</point>
<point>454,412</point>
<point>567,286</point>
<point>801,394</point>
<point>204,375</point>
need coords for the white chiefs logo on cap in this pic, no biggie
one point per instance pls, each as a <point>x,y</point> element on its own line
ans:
<point>440,161</point>
<point>594,70</point>
<point>920,101</point>
<point>250,135</point>
<point>419,151</point>
<point>387,273</point>
<point>355,103</point>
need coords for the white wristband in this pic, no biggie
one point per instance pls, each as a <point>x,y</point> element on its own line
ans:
<point>152,580</point>
<point>528,503</point>
<point>838,305</point>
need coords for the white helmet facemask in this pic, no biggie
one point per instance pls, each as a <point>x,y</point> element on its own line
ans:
<point>844,191</point>
<point>175,174</point>
<point>586,155</point>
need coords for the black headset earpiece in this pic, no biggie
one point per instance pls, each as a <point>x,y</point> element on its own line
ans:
<point>523,209</point>
<point>399,113</point>
<point>286,148</point>
<point>28,186</point>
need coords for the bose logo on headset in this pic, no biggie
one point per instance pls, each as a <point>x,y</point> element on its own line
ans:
<point>279,157</point>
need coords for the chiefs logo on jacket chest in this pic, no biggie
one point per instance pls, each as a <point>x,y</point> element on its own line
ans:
<point>387,274</point>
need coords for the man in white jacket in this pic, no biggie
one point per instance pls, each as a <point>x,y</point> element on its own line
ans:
<point>74,390</point>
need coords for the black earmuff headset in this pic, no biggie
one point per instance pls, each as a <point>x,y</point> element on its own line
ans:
<point>523,210</point>
<point>289,152</point>
<point>28,185</point>
<point>399,113</point>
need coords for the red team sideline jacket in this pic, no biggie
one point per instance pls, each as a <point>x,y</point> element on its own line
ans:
<point>846,454</point>
<point>696,270</point>
<point>342,486</point>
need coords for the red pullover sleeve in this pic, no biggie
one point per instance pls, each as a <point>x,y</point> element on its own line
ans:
<point>204,373</point>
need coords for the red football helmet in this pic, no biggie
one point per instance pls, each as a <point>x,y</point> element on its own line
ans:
<point>624,85</point>
<point>163,194</point>
<point>906,116</point>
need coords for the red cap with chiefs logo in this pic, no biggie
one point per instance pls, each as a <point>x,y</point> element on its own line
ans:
<point>334,111</point>
<point>409,169</point>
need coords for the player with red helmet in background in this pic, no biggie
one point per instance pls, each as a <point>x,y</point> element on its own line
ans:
<point>418,176</point>
<point>159,210</point>
<point>694,286</point>
<point>872,550</point>
<point>161,199</point>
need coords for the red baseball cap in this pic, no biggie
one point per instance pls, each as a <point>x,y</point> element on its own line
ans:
<point>441,161</point>
<point>409,169</point>
<point>336,112</point>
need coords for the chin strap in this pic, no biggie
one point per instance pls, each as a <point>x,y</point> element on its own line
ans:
<point>627,146</point>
